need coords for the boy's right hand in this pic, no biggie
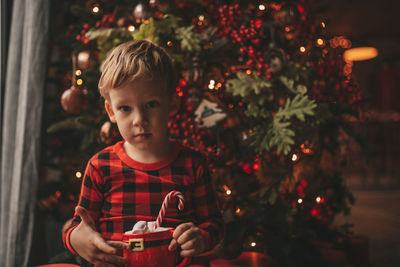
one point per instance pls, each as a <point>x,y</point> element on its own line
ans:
<point>90,245</point>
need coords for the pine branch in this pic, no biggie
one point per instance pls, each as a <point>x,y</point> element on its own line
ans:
<point>190,40</point>
<point>298,107</point>
<point>147,31</point>
<point>81,123</point>
<point>245,85</point>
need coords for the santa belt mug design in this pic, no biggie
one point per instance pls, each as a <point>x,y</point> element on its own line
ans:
<point>151,249</point>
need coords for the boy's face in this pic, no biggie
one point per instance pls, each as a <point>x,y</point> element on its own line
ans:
<point>141,109</point>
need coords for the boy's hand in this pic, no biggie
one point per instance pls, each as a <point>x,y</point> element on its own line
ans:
<point>90,245</point>
<point>189,238</point>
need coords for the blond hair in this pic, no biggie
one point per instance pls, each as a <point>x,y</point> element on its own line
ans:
<point>136,60</point>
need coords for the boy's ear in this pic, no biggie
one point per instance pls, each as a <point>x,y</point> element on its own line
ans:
<point>110,111</point>
<point>174,105</point>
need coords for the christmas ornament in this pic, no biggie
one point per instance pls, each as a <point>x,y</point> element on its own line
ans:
<point>74,100</point>
<point>109,133</point>
<point>275,57</point>
<point>86,59</point>
<point>195,74</point>
<point>194,78</point>
<point>208,113</point>
<point>141,11</point>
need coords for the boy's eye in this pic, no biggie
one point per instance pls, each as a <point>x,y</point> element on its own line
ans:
<point>124,108</point>
<point>152,104</point>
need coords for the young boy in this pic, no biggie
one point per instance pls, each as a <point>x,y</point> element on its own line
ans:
<point>127,182</point>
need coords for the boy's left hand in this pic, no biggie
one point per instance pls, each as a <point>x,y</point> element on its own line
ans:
<point>189,238</point>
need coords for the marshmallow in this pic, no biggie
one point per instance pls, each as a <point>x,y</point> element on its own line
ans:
<point>142,227</point>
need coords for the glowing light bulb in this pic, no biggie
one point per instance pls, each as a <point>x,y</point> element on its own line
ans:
<point>79,82</point>
<point>78,72</point>
<point>318,199</point>
<point>320,42</point>
<point>248,72</point>
<point>228,192</point>
<point>211,85</point>
<point>294,157</point>
<point>253,244</point>
<point>300,200</point>
<point>261,7</point>
<point>169,43</point>
<point>323,24</point>
<point>95,9</point>
<point>131,28</point>
<point>302,49</point>
<point>238,210</point>
<point>78,175</point>
<point>201,17</point>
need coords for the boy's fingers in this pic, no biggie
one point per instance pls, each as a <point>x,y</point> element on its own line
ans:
<point>188,235</point>
<point>181,229</point>
<point>118,244</point>
<point>173,245</point>
<point>189,245</point>
<point>85,216</point>
<point>99,242</point>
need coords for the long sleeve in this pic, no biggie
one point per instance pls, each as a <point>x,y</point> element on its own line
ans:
<point>91,198</point>
<point>206,207</point>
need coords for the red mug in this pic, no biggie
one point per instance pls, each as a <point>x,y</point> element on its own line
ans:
<point>151,249</point>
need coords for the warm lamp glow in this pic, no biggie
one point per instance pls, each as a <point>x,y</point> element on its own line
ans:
<point>131,28</point>
<point>78,175</point>
<point>360,54</point>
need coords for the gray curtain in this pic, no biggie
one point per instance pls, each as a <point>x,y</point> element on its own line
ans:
<point>20,147</point>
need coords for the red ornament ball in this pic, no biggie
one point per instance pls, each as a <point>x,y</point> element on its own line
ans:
<point>86,59</point>
<point>109,133</point>
<point>74,100</point>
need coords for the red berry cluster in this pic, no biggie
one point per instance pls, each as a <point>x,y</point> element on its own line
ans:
<point>107,21</point>
<point>227,18</point>
<point>344,91</point>
<point>228,26</point>
<point>81,31</point>
<point>183,127</point>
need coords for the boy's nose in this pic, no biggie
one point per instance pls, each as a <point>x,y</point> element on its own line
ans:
<point>139,119</point>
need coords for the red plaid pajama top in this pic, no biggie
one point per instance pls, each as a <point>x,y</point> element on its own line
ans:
<point>119,191</point>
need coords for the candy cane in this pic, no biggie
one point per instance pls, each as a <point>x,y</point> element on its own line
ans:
<point>164,206</point>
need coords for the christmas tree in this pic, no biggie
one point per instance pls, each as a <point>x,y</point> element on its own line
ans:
<point>263,92</point>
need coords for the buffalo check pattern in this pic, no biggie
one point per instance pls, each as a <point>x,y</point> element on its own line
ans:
<point>119,191</point>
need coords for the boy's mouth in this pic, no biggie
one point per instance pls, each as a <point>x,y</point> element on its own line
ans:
<point>142,135</point>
